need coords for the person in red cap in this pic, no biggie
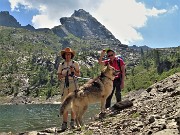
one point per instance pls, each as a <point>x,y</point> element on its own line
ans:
<point>118,83</point>
<point>66,71</point>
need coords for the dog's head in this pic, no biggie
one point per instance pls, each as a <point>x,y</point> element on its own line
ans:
<point>110,71</point>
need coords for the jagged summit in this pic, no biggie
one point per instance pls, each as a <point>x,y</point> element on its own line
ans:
<point>80,24</point>
<point>8,20</point>
<point>83,25</point>
<point>77,15</point>
<point>81,13</point>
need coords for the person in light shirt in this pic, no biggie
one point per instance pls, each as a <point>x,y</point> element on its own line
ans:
<point>66,71</point>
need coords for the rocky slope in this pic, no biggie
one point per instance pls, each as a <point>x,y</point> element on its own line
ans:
<point>138,48</point>
<point>155,110</point>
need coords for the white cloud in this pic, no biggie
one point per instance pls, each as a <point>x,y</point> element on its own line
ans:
<point>50,11</point>
<point>173,9</point>
<point>42,21</point>
<point>121,17</point>
<point>155,12</point>
<point>15,4</point>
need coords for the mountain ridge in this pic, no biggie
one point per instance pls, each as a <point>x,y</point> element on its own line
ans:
<point>88,26</point>
<point>9,21</point>
<point>81,24</point>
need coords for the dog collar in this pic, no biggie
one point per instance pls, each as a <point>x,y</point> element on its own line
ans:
<point>109,78</point>
<point>102,75</point>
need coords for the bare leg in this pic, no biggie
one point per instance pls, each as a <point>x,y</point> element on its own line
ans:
<point>103,102</point>
<point>64,124</point>
<point>73,116</point>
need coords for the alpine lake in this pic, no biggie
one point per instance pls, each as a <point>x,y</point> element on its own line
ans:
<point>35,117</point>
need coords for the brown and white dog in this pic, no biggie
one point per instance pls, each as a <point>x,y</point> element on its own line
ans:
<point>95,90</point>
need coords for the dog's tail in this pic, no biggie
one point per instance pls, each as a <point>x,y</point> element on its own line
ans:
<point>66,103</point>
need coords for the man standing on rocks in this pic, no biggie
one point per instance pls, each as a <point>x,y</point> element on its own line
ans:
<point>118,82</point>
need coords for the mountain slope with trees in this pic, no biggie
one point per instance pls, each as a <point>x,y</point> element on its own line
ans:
<point>30,58</point>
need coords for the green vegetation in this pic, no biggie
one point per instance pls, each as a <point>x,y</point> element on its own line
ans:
<point>26,57</point>
<point>135,115</point>
<point>29,62</point>
<point>155,65</point>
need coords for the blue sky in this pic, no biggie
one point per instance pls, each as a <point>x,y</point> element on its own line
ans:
<point>155,23</point>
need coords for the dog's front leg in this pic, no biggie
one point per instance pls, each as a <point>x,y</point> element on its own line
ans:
<point>102,113</point>
<point>103,102</point>
<point>77,123</point>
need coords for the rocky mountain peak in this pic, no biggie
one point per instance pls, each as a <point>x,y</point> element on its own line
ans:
<point>29,27</point>
<point>8,20</point>
<point>83,25</point>
<point>81,13</point>
<point>80,24</point>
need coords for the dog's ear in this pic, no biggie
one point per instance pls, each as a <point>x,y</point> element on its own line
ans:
<point>103,67</point>
<point>108,65</point>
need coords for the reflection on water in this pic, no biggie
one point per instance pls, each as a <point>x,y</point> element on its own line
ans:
<point>21,118</point>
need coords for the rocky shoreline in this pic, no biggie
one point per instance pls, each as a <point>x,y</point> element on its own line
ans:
<point>10,100</point>
<point>155,110</point>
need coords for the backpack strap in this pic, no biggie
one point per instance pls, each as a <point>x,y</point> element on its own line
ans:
<point>118,61</point>
<point>62,65</point>
<point>119,64</point>
<point>64,62</point>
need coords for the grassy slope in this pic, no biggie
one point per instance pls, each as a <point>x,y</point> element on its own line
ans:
<point>27,55</point>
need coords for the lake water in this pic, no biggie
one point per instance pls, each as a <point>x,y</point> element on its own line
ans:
<point>21,118</point>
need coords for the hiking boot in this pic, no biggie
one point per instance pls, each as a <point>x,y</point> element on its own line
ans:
<point>64,126</point>
<point>72,124</point>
